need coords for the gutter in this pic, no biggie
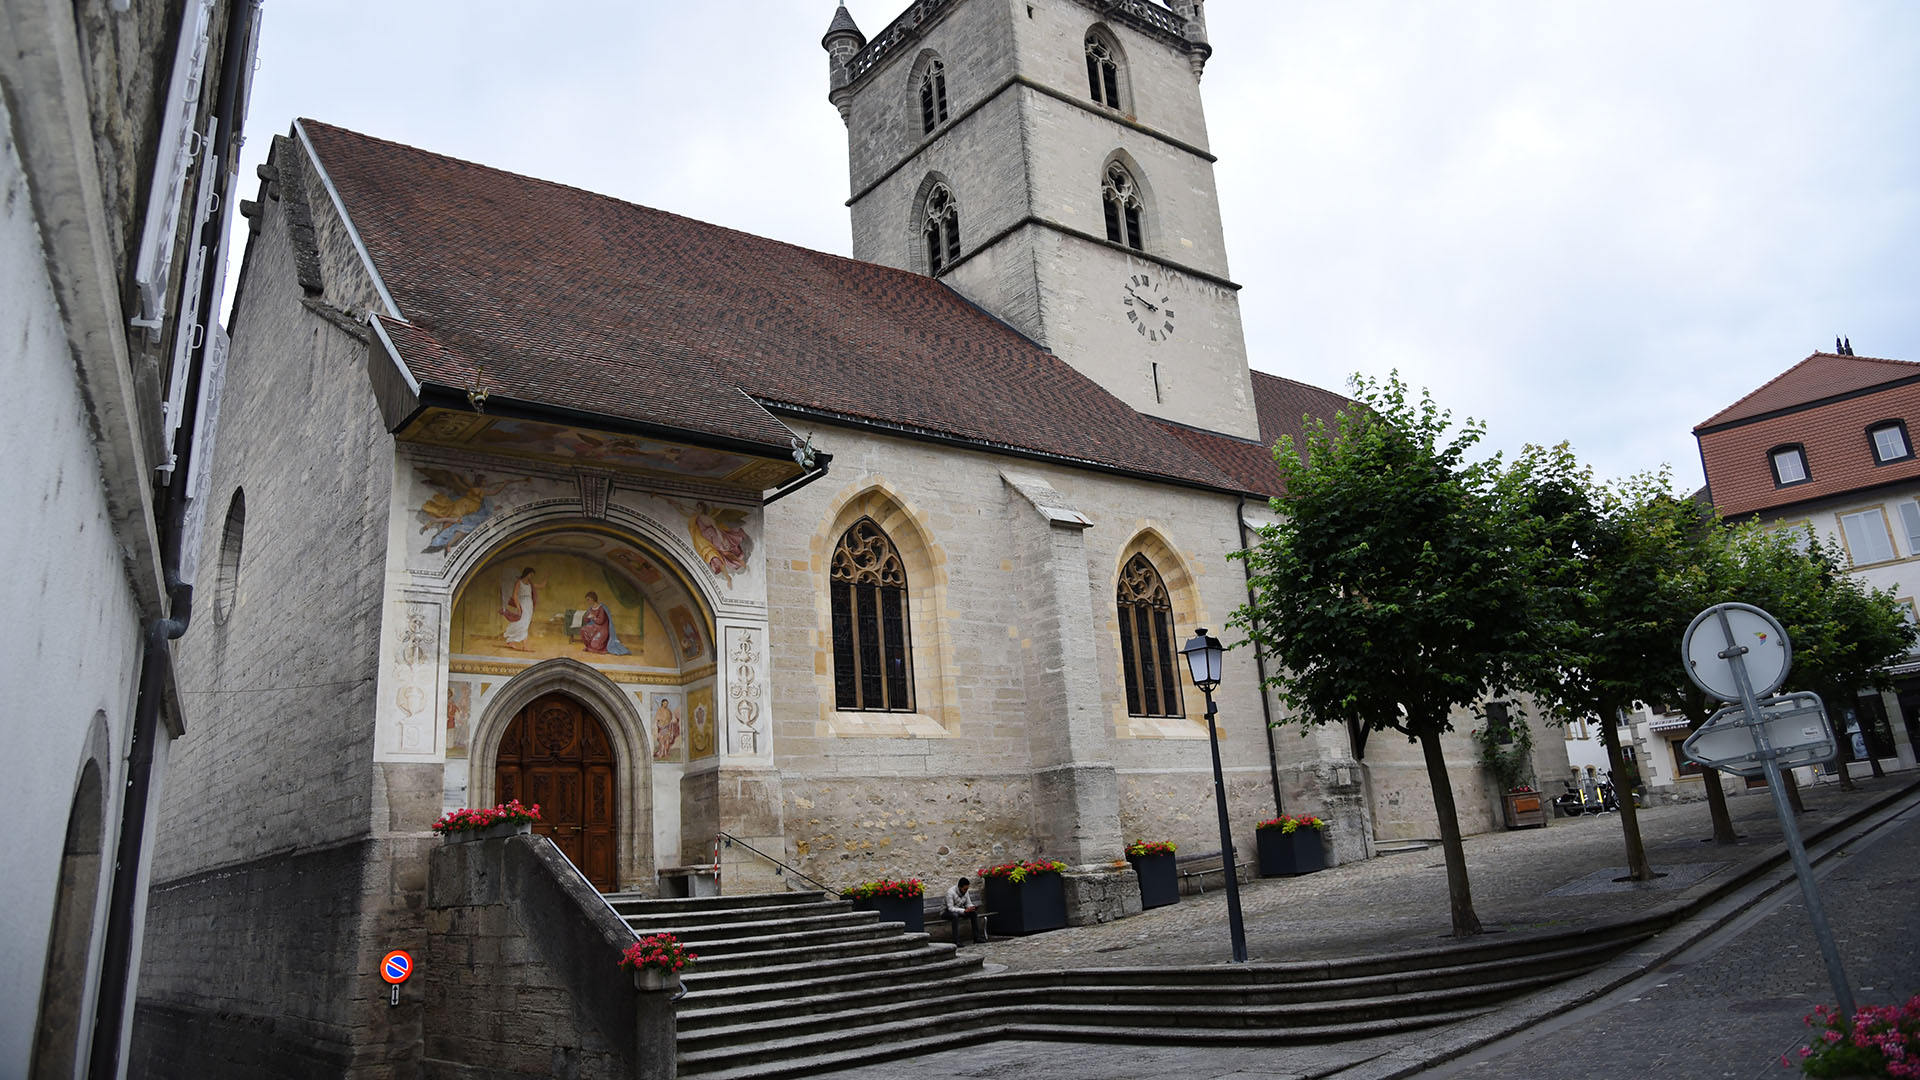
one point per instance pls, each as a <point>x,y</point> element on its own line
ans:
<point>126,901</point>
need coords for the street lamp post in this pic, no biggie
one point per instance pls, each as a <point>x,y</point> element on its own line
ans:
<point>1203,655</point>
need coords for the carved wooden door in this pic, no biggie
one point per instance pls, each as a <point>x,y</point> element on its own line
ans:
<point>556,753</point>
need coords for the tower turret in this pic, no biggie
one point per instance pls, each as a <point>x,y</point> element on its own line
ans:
<point>843,41</point>
<point>1194,14</point>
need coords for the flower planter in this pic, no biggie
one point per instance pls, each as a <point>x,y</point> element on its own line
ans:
<point>1284,854</point>
<point>1525,809</point>
<point>652,979</point>
<point>1159,881</point>
<point>488,832</point>
<point>1026,907</point>
<point>911,910</point>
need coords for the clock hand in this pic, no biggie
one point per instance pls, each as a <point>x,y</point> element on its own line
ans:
<point>1143,301</point>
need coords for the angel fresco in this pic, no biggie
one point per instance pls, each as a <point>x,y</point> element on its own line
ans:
<point>719,537</point>
<point>458,507</point>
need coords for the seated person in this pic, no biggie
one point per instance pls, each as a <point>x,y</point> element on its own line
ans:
<point>960,903</point>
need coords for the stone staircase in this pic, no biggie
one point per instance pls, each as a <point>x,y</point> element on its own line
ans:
<point>794,984</point>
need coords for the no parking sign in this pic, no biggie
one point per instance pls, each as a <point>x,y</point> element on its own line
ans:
<point>396,967</point>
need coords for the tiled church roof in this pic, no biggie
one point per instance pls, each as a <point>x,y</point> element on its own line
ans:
<point>559,296</point>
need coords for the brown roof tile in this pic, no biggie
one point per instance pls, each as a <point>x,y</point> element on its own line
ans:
<point>1832,432</point>
<point>560,296</point>
<point>1282,405</point>
<point>1819,376</point>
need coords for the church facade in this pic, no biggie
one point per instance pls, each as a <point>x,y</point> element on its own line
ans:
<point>740,559</point>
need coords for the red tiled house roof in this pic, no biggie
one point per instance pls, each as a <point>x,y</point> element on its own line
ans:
<point>559,296</point>
<point>1824,404</point>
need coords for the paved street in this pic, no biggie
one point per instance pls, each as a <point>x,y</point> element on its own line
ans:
<point>1727,1007</point>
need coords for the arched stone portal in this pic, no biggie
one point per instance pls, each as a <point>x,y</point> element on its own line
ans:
<point>589,632</point>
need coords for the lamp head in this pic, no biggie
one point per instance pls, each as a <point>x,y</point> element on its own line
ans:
<point>1203,655</point>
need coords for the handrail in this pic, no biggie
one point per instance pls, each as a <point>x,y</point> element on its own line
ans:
<point>729,840</point>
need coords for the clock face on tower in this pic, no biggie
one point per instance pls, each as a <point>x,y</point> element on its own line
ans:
<point>1147,307</point>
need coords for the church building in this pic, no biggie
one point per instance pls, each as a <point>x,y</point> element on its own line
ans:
<point>741,560</point>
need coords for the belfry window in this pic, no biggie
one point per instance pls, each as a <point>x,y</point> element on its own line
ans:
<point>872,655</point>
<point>941,229</point>
<point>1103,73</point>
<point>1121,197</point>
<point>933,97</point>
<point>1147,649</point>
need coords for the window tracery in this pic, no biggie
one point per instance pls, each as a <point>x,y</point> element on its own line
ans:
<point>1120,196</point>
<point>933,97</point>
<point>1147,647</point>
<point>872,650</point>
<point>941,229</point>
<point>1103,73</point>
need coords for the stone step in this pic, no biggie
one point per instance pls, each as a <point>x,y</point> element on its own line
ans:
<point>751,960</point>
<point>691,932</point>
<point>798,939</point>
<point>652,922</point>
<point>785,966</point>
<point>638,904</point>
<point>723,1006</point>
<point>892,1040</point>
<point>1229,1005</point>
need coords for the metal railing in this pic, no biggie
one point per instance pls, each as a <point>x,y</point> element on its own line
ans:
<point>780,869</point>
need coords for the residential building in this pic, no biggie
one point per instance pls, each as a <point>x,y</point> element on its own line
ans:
<point>118,122</point>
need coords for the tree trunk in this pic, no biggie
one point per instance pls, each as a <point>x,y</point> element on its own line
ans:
<point>1638,868</point>
<point>1843,743</point>
<point>1695,708</point>
<point>1459,892</point>
<point>1793,791</point>
<point>1717,808</point>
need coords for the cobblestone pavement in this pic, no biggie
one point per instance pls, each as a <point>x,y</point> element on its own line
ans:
<point>1541,880</point>
<point>1397,902</point>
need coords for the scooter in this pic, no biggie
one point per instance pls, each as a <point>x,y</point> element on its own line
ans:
<point>1597,799</point>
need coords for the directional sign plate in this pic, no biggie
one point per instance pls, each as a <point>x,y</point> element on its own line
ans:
<point>1796,730</point>
<point>1759,636</point>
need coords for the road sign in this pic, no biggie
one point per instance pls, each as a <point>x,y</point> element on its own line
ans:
<point>396,966</point>
<point>1797,732</point>
<point>1725,631</point>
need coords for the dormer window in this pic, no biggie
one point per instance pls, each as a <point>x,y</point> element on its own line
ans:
<point>933,97</point>
<point>1890,442</point>
<point>1789,465</point>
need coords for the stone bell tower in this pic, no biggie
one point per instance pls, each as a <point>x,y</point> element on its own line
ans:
<point>1048,159</point>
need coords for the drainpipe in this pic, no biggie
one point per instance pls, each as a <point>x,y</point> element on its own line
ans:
<point>116,974</point>
<point>1260,666</point>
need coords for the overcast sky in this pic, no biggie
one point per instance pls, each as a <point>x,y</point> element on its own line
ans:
<point>1598,222</point>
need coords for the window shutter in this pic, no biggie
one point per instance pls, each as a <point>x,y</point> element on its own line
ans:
<point>179,142</point>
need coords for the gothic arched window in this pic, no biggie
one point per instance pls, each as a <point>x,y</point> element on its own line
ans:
<point>872,653</point>
<point>1103,72</point>
<point>941,229</point>
<point>1147,648</point>
<point>933,97</point>
<point>1121,197</point>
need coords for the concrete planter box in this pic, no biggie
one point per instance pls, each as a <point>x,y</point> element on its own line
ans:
<point>1284,854</point>
<point>1159,880</point>
<point>653,979</point>
<point>911,911</point>
<point>1028,907</point>
<point>490,832</point>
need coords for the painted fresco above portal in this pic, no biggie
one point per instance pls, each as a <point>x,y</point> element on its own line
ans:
<point>588,596</point>
<point>579,446</point>
<point>460,503</point>
<point>719,535</point>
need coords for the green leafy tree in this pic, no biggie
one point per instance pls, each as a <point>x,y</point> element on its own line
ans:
<point>1844,634</point>
<point>1609,602</point>
<point>1387,590</point>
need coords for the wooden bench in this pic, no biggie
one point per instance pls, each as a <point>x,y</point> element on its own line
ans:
<point>1197,868</point>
